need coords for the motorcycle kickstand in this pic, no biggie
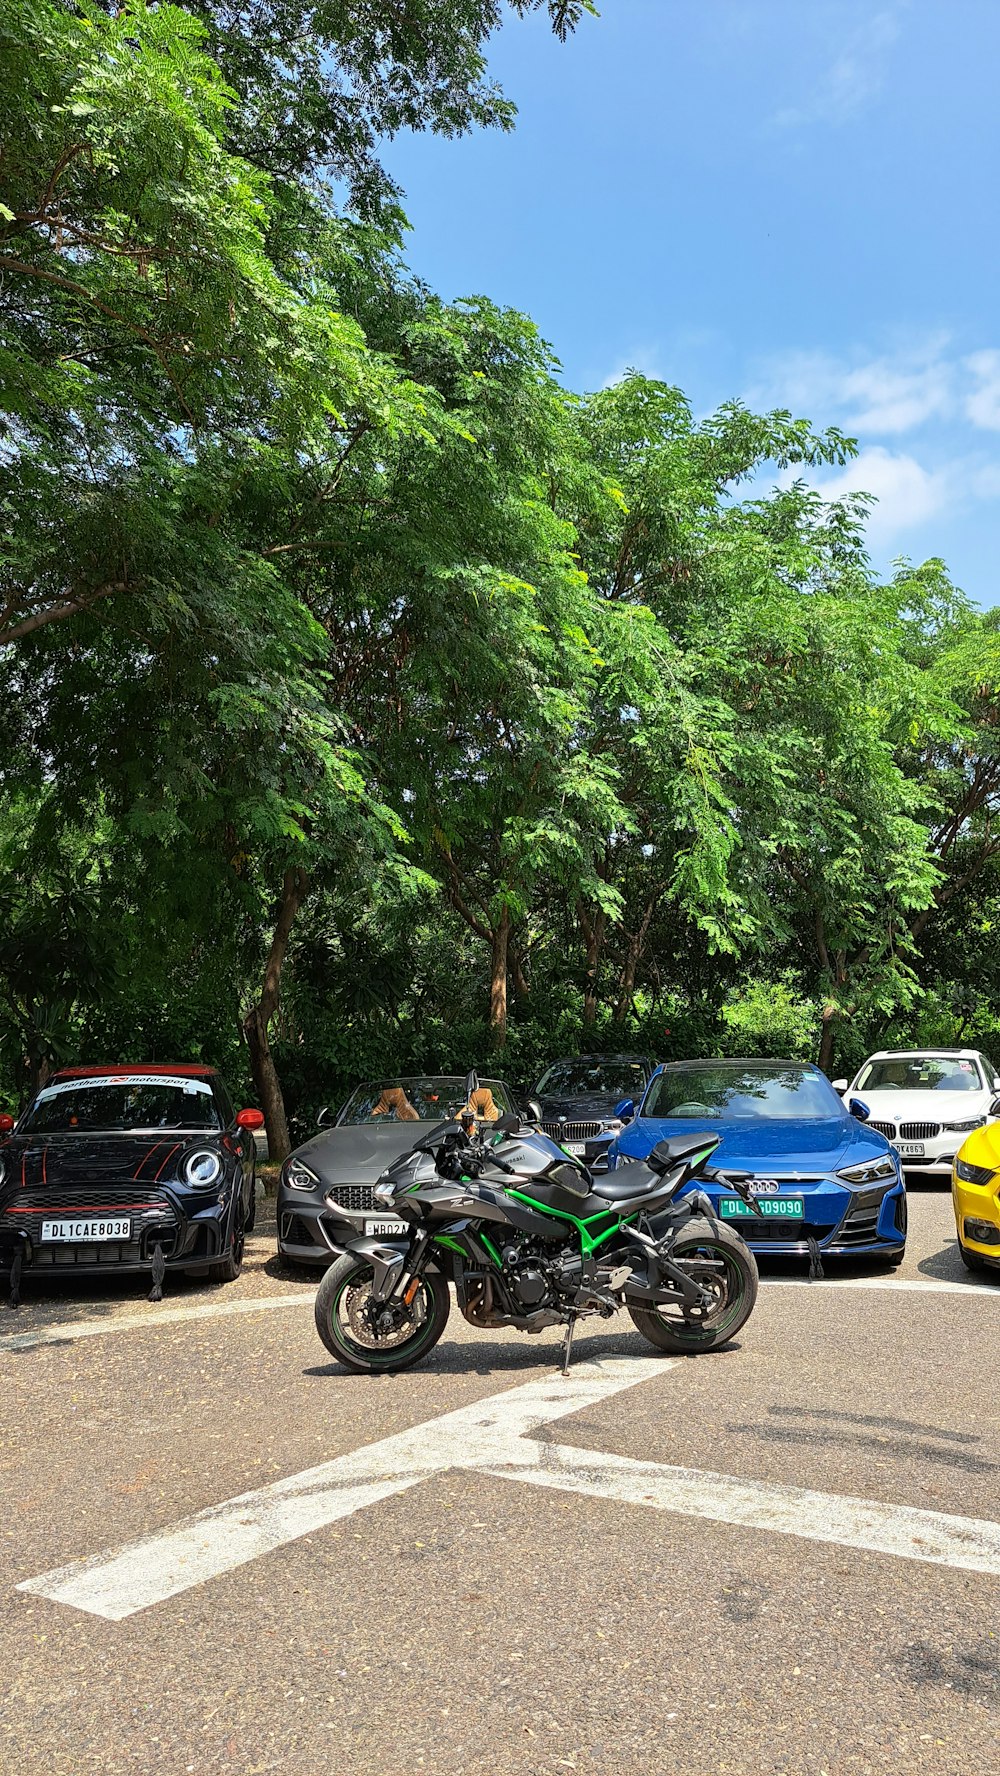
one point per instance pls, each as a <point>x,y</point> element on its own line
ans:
<point>568,1343</point>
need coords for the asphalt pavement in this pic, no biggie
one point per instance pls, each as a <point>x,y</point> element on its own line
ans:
<point>752,1563</point>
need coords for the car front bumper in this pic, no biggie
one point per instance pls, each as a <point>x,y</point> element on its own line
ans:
<point>190,1232</point>
<point>309,1232</point>
<point>977,1217</point>
<point>867,1222</point>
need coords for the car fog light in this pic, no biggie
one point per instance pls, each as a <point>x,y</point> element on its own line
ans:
<point>983,1232</point>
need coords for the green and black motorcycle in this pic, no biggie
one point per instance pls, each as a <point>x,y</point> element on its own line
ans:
<point>530,1239</point>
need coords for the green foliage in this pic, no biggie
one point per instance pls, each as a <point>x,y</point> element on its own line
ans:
<point>770,1017</point>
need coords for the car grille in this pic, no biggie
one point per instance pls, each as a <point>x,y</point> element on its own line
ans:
<point>572,1131</point>
<point>888,1129</point>
<point>778,1233</point>
<point>146,1207</point>
<point>919,1131</point>
<point>355,1197</point>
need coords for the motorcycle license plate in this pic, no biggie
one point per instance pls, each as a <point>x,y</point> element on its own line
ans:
<point>772,1208</point>
<point>915,1149</point>
<point>384,1226</point>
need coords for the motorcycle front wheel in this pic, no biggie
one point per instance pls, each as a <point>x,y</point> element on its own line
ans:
<point>347,1328</point>
<point>720,1260</point>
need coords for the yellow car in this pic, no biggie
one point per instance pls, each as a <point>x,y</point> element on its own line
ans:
<point>975,1192</point>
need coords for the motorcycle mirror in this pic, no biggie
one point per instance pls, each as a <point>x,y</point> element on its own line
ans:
<point>509,1125</point>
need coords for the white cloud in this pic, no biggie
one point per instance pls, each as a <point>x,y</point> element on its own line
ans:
<point>888,394</point>
<point>907,493</point>
<point>982,403</point>
<point>853,78</point>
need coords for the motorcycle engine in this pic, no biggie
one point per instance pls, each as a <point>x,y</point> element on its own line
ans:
<point>529,1276</point>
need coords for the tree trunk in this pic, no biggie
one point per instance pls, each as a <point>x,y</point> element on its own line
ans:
<point>826,1040</point>
<point>498,980</point>
<point>294,888</point>
<point>593,936</point>
<point>633,956</point>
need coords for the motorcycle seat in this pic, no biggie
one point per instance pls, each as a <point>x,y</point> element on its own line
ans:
<point>635,1180</point>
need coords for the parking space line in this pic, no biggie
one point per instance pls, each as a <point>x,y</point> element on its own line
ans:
<point>147,1321</point>
<point>971,1544</point>
<point>118,1583</point>
<point>918,1284</point>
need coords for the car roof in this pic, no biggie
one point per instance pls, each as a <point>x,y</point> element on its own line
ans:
<point>903,1054</point>
<point>737,1061</point>
<point>641,1059</point>
<point>165,1069</point>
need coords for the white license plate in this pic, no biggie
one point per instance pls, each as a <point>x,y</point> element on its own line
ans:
<point>389,1227</point>
<point>915,1149</point>
<point>86,1232</point>
<point>575,1146</point>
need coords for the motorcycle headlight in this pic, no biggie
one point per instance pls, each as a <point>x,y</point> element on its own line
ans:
<point>201,1169</point>
<point>962,1128</point>
<point>299,1177</point>
<point>870,1171</point>
<point>384,1194</point>
<point>970,1174</point>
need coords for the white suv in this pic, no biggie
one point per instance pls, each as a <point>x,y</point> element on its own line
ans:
<point>925,1101</point>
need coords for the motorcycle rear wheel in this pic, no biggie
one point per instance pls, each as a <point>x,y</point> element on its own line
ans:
<point>341,1323</point>
<point>735,1285</point>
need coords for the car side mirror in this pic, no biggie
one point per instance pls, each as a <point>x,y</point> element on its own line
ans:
<point>994,1110</point>
<point>625,1109</point>
<point>6,1122</point>
<point>324,1117</point>
<point>250,1119</point>
<point>840,1085</point>
<point>859,1109</point>
<point>533,1110</point>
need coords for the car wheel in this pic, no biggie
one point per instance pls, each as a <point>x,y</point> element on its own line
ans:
<point>228,1268</point>
<point>972,1260</point>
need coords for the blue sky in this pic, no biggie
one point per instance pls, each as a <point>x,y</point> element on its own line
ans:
<point>790,202</point>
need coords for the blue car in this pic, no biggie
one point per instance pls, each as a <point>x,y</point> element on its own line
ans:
<point>824,1182</point>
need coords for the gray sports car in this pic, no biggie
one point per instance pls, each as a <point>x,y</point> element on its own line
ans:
<point>344,1160</point>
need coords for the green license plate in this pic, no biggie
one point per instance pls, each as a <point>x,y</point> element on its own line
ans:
<point>775,1208</point>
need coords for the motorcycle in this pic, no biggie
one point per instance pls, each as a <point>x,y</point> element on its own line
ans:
<point>530,1239</point>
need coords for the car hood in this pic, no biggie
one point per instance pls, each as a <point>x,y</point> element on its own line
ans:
<point>111,1159</point>
<point>360,1155</point>
<point>823,1145</point>
<point>587,1108</point>
<point>928,1106</point>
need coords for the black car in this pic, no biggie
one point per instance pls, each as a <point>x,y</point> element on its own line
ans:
<point>580,1098</point>
<point>381,1119</point>
<point>109,1167</point>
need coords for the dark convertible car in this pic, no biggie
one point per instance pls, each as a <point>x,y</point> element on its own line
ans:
<point>139,1168</point>
<point>344,1161</point>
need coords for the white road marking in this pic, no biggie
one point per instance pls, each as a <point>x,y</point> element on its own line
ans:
<point>118,1583</point>
<point>970,1543</point>
<point>918,1284</point>
<point>145,1321</point>
<point>493,1436</point>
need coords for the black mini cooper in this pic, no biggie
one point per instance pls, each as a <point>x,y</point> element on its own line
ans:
<point>144,1169</point>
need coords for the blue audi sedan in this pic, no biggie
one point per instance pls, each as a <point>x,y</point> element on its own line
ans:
<point>824,1183</point>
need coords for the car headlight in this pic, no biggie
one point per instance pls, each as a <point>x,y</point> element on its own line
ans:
<point>971,1174</point>
<point>201,1169</point>
<point>870,1171</point>
<point>385,1194</point>
<point>962,1128</point>
<point>299,1177</point>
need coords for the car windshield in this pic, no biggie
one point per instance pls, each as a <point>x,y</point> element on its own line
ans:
<point>581,1079</point>
<point>429,1099</point>
<point>925,1073</point>
<point>747,1093</point>
<point>121,1106</point>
